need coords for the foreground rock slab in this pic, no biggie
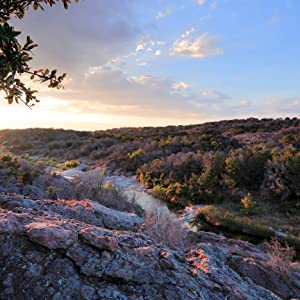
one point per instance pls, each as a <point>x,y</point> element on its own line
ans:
<point>80,250</point>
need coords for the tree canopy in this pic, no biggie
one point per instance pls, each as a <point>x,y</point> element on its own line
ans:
<point>15,57</point>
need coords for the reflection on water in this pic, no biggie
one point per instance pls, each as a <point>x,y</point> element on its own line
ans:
<point>137,192</point>
<point>134,190</point>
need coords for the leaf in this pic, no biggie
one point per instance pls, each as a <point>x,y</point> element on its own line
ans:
<point>10,100</point>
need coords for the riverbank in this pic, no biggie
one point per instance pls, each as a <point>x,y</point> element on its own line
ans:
<point>255,229</point>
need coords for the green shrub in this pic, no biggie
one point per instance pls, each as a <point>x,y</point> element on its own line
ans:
<point>159,192</point>
<point>137,153</point>
<point>52,192</point>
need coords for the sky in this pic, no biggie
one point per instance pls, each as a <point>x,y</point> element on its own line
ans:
<point>160,62</point>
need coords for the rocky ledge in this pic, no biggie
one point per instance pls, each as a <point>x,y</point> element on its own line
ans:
<point>82,250</point>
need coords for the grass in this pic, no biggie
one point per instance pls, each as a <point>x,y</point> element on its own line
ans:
<point>262,225</point>
<point>53,162</point>
<point>221,217</point>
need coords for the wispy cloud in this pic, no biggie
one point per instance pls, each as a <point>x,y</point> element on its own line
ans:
<point>163,13</point>
<point>199,47</point>
<point>289,105</point>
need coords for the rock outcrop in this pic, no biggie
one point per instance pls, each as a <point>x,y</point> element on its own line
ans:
<point>82,250</point>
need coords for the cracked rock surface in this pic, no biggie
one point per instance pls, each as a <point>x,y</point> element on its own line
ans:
<point>81,250</point>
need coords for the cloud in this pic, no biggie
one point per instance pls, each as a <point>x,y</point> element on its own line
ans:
<point>244,102</point>
<point>106,96</point>
<point>188,33</point>
<point>200,47</point>
<point>180,85</point>
<point>263,108</point>
<point>146,50</point>
<point>140,46</point>
<point>290,105</point>
<point>86,33</point>
<point>211,100</point>
<point>147,45</point>
<point>201,2</point>
<point>109,90</point>
<point>164,13</point>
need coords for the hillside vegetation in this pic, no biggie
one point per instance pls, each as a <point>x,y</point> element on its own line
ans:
<point>249,170</point>
<point>186,164</point>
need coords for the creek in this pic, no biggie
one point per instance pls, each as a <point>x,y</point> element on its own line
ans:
<point>135,190</point>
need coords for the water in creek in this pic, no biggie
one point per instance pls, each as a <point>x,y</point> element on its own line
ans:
<point>134,190</point>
